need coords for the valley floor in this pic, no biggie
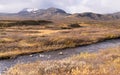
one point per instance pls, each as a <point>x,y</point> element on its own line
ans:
<point>19,40</point>
<point>16,41</point>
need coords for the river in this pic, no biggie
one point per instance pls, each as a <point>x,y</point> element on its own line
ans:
<point>58,54</point>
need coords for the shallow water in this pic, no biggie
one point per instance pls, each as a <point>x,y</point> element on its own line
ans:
<point>57,55</point>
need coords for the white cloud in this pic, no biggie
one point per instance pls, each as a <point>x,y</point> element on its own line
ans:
<point>72,6</point>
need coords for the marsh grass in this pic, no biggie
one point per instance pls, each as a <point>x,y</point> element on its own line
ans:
<point>17,42</point>
<point>25,38</point>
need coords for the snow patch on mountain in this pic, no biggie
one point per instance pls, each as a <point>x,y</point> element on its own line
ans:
<point>30,9</point>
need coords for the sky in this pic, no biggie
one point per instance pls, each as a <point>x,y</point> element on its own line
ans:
<point>70,6</point>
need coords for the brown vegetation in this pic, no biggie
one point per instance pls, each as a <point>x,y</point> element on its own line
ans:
<point>9,23</point>
<point>18,40</point>
<point>105,62</point>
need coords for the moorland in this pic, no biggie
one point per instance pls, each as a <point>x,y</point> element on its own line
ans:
<point>27,33</point>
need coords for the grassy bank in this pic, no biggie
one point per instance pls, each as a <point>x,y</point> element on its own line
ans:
<point>10,23</point>
<point>105,62</point>
<point>16,41</point>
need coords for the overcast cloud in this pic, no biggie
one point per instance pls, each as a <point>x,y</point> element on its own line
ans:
<point>71,6</point>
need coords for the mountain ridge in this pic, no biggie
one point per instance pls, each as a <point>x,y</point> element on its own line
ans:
<point>56,13</point>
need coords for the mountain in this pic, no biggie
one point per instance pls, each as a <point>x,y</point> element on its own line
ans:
<point>115,15</point>
<point>42,12</point>
<point>28,10</point>
<point>56,14</point>
<point>94,16</point>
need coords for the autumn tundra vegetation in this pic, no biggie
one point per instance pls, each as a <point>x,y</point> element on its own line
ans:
<point>18,40</point>
<point>34,36</point>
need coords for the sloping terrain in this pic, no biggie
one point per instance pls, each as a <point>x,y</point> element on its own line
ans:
<point>56,13</point>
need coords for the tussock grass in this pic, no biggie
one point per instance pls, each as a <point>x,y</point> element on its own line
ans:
<point>5,40</point>
<point>26,42</point>
<point>9,23</point>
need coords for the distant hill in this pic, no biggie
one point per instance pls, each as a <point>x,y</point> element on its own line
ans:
<point>41,12</point>
<point>56,14</point>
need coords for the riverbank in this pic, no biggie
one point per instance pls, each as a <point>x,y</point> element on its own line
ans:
<point>58,54</point>
<point>21,41</point>
<point>104,62</point>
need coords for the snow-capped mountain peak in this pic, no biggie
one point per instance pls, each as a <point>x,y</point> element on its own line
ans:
<point>30,9</point>
<point>49,11</point>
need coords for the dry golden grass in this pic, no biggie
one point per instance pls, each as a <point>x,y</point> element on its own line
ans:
<point>15,42</point>
<point>105,62</point>
<point>23,43</point>
<point>42,32</point>
<point>6,40</point>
